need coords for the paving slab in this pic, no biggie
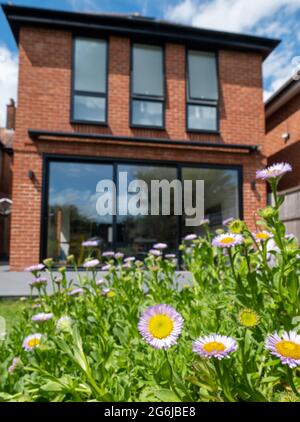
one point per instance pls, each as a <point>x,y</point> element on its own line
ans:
<point>17,283</point>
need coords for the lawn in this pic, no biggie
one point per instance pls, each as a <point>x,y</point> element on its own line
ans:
<point>10,310</point>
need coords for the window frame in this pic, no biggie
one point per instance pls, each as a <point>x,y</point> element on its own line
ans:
<point>115,161</point>
<point>148,98</point>
<point>81,93</point>
<point>192,101</point>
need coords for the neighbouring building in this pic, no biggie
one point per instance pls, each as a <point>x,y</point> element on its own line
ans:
<point>283,144</point>
<point>104,94</point>
<point>6,172</point>
<point>283,130</point>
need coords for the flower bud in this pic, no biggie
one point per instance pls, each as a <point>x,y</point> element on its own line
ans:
<point>48,262</point>
<point>70,259</point>
<point>64,324</point>
<point>62,270</point>
<point>236,226</point>
<point>268,212</point>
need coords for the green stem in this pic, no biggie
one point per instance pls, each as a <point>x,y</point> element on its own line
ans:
<point>94,384</point>
<point>232,264</point>
<point>258,396</point>
<point>274,184</point>
<point>291,381</point>
<point>172,382</point>
<point>224,388</point>
<point>262,252</point>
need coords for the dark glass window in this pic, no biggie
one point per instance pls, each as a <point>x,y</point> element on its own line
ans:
<point>147,82</point>
<point>137,234</point>
<point>147,113</point>
<point>221,195</point>
<point>90,80</point>
<point>202,92</point>
<point>202,117</point>
<point>72,215</point>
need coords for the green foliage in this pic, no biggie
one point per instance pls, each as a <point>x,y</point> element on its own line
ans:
<point>102,357</point>
<point>10,310</point>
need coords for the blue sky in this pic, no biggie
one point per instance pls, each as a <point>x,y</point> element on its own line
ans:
<point>271,18</point>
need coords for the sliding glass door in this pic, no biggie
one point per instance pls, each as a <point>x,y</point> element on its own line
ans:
<point>136,234</point>
<point>221,195</point>
<point>72,215</point>
<point>71,195</point>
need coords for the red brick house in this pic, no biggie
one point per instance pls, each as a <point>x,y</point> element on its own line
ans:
<point>103,94</point>
<point>283,130</point>
<point>6,173</point>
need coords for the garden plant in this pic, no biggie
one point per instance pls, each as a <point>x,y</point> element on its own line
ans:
<point>230,332</point>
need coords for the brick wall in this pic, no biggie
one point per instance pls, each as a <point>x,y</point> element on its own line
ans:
<point>44,103</point>
<point>285,120</point>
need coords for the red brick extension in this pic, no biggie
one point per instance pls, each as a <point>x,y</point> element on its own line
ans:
<point>285,120</point>
<point>44,103</point>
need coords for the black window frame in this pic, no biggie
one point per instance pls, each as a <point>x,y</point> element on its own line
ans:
<point>75,92</point>
<point>192,101</point>
<point>115,161</point>
<point>148,98</point>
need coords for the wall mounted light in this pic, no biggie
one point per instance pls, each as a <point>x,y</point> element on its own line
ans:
<point>31,175</point>
<point>253,185</point>
<point>285,136</point>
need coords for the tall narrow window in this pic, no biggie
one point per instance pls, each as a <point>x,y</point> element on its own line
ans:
<point>147,86</point>
<point>202,92</point>
<point>90,81</point>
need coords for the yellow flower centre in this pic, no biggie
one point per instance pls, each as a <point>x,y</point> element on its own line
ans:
<point>34,342</point>
<point>214,346</point>
<point>160,326</point>
<point>227,240</point>
<point>288,349</point>
<point>262,236</point>
<point>248,318</point>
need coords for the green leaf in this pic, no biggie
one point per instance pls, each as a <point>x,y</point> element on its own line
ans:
<point>296,320</point>
<point>293,286</point>
<point>167,395</point>
<point>165,372</point>
<point>52,386</point>
<point>280,199</point>
<point>270,379</point>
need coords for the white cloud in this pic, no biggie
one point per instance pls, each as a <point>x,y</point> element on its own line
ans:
<point>8,80</point>
<point>85,5</point>
<point>278,68</point>
<point>183,12</point>
<point>83,200</point>
<point>267,94</point>
<point>273,29</point>
<point>272,18</point>
<point>229,15</point>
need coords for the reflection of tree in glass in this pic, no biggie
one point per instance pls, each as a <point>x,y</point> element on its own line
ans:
<point>68,228</point>
<point>220,192</point>
<point>138,233</point>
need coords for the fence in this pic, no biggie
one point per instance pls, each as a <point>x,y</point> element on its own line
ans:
<point>290,211</point>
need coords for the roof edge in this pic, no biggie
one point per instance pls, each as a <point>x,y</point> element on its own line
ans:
<point>285,93</point>
<point>38,135</point>
<point>132,24</point>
